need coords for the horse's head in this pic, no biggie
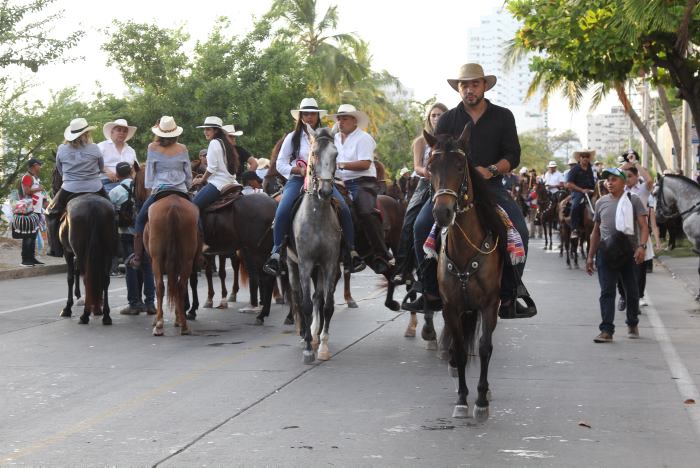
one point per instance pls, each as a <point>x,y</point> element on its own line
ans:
<point>322,161</point>
<point>449,175</point>
<point>666,203</point>
<point>139,183</point>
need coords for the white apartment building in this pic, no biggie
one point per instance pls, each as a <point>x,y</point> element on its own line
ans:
<point>487,45</point>
<point>610,133</point>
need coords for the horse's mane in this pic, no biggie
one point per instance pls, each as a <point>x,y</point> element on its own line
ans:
<point>272,170</point>
<point>683,179</point>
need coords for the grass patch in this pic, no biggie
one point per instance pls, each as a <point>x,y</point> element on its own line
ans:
<point>683,249</point>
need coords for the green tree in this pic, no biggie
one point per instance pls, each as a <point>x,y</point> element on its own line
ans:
<point>535,150</point>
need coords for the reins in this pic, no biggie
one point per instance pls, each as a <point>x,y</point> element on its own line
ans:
<point>664,209</point>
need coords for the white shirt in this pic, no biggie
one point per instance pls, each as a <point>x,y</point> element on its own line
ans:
<point>553,178</point>
<point>358,146</point>
<point>642,192</point>
<point>112,156</point>
<point>284,158</point>
<point>216,166</point>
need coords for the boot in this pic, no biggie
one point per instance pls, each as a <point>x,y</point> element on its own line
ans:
<point>52,225</point>
<point>134,260</point>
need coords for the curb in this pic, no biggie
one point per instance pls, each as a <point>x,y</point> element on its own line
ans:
<point>18,273</point>
<point>691,288</point>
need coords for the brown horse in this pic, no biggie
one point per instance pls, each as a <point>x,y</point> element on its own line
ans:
<point>547,214</point>
<point>570,244</point>
<point>470,261</point>
<point>173,244</point>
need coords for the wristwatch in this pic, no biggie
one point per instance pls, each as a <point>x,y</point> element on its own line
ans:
<point>493,170</point>
<point>644,246</point>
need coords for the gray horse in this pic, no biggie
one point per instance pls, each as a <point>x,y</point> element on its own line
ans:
<point>316,235</point>
<point>678,196</point>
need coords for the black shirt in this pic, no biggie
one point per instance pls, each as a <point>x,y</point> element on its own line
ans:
<point>494,137</point>
<point>243,156</point>
<point>581,178</point>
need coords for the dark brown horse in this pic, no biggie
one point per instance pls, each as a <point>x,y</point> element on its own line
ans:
<point>547,213</point>
<point>470,261</point>
<point>173,244</point>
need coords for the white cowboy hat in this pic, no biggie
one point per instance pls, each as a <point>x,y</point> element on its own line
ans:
<point>107,129</point>
<point>471,71</point>
<point>76,128</point>
<point>349,109</point>
<point>403,171</point>
<point>572,161</point>
<point>308,105</point>
<point>263,163</point>
<point>231,130</point>
<point>586,152</point>
<point>523,170</point>
<point>212,122</point>
<point>167,128</point>
<point>552,164</point>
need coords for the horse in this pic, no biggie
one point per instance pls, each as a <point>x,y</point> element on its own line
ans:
<point>569,244</point>
<point>173,243</point>
<point>679,197</point>
<point>316,235</point>
<point>470,261</point>
<point>547,203</point>
<point>88,234</point>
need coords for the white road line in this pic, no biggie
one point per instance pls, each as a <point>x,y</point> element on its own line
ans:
<point>41,304</point>
<point>681,376</point>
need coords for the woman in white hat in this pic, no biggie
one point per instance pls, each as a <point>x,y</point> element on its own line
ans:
<point>291,164</point>
<point>79,162</point>
<point>222,164</point>
<point>167,168</point>
<point>115,150</point>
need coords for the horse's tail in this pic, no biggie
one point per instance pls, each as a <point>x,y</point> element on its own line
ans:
<point>172,255</point>
<point>96,262</point>
<point>243,275</point>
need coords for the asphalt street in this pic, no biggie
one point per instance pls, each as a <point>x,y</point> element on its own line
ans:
<point>235,394</point>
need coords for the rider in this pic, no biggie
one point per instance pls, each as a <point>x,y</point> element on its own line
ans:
<point>291,163</point>
<point>79,162</point>
<point>167,169</point>
<point>494,151</point>
<point>355,167</point>
<point>115,149</point>
<point>553,178</point>
<point>580,182</point>
<point>222,164</point>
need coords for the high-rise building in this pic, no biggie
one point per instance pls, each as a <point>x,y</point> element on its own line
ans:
<point>609,133</point>
<point>487,45</point>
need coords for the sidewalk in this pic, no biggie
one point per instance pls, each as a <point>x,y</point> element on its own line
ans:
<point>11,254</point>
<point>684,269</point>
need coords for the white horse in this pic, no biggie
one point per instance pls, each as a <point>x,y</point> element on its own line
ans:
<point>679,196</point>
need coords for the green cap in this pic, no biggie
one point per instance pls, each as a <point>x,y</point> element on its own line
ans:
<point>614,171</point>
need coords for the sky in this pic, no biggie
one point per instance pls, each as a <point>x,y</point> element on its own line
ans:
<point>420,45</point>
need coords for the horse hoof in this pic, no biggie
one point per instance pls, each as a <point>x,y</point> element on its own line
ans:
<point>488,395</point>
<point>106,320</point>
<point>222,305</point>
<point>80,301</point>
<point>232,298</point>
<point>97,313</point>
<point>208,304</point>
<point>84,319</point>
<point>309,357</point>
<point>410,332</point>
<point>324,356</point>
<point>393,305</point>
<point>157,331</point>
<point>191,315</point>
<point>65,313</point>
<point>481,413</point>
<point>461,411</point>
<point>352,304</point>
<point>431,345</point>
<point>259,321</point>
<point>288,321</point>
<point>452,371</point>
<point>185,331</point>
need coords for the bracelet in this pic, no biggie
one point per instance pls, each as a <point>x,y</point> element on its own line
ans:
<point>643,246</point>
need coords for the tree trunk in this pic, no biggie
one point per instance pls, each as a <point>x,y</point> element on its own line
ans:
<point>622,95</point>
<point>663,98</point>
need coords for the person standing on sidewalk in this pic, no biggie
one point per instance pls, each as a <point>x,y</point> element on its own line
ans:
<point>34,195</point>
<point>606,235</point>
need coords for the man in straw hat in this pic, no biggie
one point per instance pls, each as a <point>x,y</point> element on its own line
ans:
<point>115,150</point>
<point>580,182</point>
<point>495,151</point>
<point>553,178</point>
<point>355,167</point>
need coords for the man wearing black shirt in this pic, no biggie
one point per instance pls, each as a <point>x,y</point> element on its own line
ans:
<point>580,182</point>
<point>494,151</point>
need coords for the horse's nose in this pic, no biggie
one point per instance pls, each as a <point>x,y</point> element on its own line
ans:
<point>326,189</point>
<point>443,215</point>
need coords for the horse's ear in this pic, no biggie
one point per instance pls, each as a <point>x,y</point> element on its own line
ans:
<point>429,139</point>
<point>137,167</point>
<point>463,139</point>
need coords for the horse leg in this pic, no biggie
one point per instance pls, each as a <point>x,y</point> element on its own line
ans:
<point>574,251</point>
<point>346,291</point>
<point>222,276</point>
<point>488,325</point>
<point>324,353</point>
<point>267,284</point>
<point>428,332</point>
<point>209,303</point>
<point>180,303</point>
<point>160,291</point>
<point>411,328</point>
<point>307,307</point>
<point>389,302</point>
<point>236,265</point>
<point>79,300</point>
<point>458,358</point>
<point>106,319</point>
<point>192,313</point>
<point>70,277</point>
<point>279,297</point>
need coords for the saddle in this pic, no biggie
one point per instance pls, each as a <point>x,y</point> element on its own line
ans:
<point>229,194</point>
<point>166,193</point>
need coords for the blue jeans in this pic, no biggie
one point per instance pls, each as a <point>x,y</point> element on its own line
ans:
<point>283,215</point>
<point>608,279</point>
<point>142,217</point>
<point>138,279</point>
<point>206,196</point>
<point>577,201</point>
<point>509,279</point>
<point>108,184</point>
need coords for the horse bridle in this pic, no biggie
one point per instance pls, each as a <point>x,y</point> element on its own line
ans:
<point>462,194</point>
<point>312,188</point>
<point>662,206</point>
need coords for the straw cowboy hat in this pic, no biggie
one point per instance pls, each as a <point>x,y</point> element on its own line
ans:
<point>231,130</point>
<point>471,71</point>
<point>109,126</point>
<point>263,163</point>
<point>572,161</point>
<point>552,164</point>
<point>308,105</point>
<point>349,109</point>
<point>403,171</point>
<point>212,122</point>
<point>589,153</point>
<point>167,128</point>
<point>76,128</point>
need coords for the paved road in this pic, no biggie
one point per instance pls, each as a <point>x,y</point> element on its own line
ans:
<point>237,394</point>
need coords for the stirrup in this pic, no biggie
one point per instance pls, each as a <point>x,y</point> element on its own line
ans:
<point>133,262</point>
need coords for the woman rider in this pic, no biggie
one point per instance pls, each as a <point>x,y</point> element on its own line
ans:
<point>291,163</point>
<point>80,163</point>
<point>167,169</point>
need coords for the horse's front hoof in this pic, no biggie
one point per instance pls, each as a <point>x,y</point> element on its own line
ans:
<point>452,371</point>
<point>97,312</point>
<point>65,313</point>
<point>80,301</point>
<point>84,319</point>
<point>431,345</point>
<point>428,333</point>
<point>393,305</point>
<point>232,298</point>
<point>481,413</point>
<point>259,321</point>
<point>157,331</point>
<point>185,331</point>
<point>410,332</point>
<point>192,315</point>
<point>461,411</point>
<point>308,356</point>
<point>106,320</point>
<point>324,355</point>
<point>222,305</point>
<point>352,304</point>
<point>208,304</point>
